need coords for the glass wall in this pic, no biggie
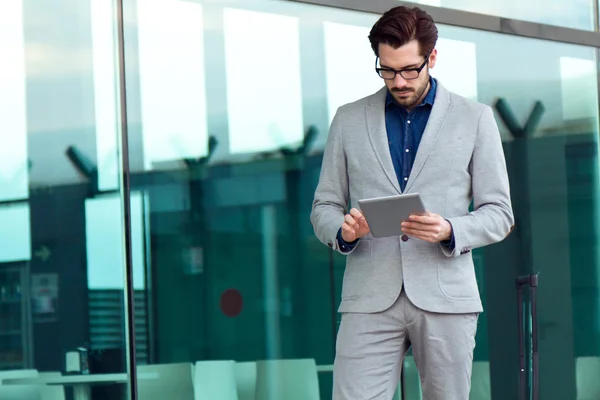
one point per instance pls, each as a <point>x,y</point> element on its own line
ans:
<point>61,265</point>
<point>228,105</point>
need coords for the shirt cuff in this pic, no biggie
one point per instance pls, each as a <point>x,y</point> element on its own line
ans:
<point>449,244</point>
<point>345,246</point>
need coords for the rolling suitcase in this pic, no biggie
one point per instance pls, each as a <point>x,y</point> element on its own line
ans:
<point>526,392</point>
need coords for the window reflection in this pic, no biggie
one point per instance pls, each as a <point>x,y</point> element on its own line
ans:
<point>264,96</point>
<point>456,66</point>
<point>579,84</point>
<point>105,97</point>
<point>349,65</point>
<point>172,83</point>
<point>104,229</point>
<point>510,68</point>
<point>13,119</point>
<point>15,235</point>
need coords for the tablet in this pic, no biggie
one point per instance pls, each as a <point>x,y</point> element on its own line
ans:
<point>385,214</point>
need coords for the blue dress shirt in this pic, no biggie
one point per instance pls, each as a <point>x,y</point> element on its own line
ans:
<point>404,132</point>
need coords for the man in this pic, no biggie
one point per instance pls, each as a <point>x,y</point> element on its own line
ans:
<point>417,289</point>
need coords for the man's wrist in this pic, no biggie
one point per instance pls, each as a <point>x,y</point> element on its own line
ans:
<point>449,243</point>
<point>449,231</point>
<point>343,243</point>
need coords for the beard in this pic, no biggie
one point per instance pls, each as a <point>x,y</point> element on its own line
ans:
<point>408,97</point>
<point>405,97</point>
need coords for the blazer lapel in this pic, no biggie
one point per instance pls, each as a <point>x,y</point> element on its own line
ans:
<point>437,118</point>
<point>378,135</point>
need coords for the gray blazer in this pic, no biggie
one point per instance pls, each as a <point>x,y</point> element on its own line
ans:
<point>459,159</point>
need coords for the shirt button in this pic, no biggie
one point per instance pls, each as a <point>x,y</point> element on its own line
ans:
<point>404,238</point>
<point>405,179</point>
<point>407,150</point>
<point>408,122</point>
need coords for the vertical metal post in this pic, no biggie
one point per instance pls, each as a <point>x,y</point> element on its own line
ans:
<point>402,382</point>
<point>271,297</point>
<point>522,374</point>
<point>271,282</point>
<point>596,15</point>
<point>125,176</point>
<point>533,283</point>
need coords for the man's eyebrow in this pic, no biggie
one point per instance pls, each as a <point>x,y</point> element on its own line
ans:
<point>405,67</point>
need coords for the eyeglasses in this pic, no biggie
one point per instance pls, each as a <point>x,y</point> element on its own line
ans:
<point>407,73</point>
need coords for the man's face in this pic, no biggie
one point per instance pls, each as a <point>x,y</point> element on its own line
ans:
<point>408,93</point>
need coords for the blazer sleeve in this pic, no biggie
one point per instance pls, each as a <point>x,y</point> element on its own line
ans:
<point>331,197</point>
<point>492,217</point>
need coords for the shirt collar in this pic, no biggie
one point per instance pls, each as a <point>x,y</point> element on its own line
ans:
<point>429,99</point>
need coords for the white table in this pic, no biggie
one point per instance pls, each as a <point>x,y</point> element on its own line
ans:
<point>81,384</point>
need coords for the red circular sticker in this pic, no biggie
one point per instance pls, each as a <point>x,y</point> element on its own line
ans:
<point>231,302</point>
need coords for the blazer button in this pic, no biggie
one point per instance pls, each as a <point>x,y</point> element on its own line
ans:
<point>404,238</point>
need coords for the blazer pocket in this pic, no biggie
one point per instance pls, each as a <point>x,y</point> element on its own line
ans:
<point>358,270</point>
<point>456,278</point>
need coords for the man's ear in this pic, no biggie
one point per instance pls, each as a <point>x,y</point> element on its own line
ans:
<point>432,58</point>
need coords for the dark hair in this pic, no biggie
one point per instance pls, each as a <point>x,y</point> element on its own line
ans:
<point>402,24</point>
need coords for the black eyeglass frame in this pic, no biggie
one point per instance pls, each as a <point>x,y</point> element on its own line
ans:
<point>400,71</point>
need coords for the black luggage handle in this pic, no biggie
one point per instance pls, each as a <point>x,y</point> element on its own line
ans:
<point>532,282</point>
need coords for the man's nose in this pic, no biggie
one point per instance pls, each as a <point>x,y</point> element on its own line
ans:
<point>399,81</point>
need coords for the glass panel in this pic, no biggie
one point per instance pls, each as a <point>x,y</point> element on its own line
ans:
<point>578,14</point>
<point>173,108</point>
<point>235,280</point>
<point>348,58</point>
<point>230,103</point>
<point>14,168</point>
<point>62,329</point>
<point>276,123</point>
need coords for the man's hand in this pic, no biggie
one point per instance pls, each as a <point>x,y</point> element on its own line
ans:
<point>355,226</point>
<point>430,227</point>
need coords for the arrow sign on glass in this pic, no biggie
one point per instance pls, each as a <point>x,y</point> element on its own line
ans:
<point>43,253</point>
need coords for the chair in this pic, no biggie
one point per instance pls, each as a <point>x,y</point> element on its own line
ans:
<point>52,392</point>
<point>18,374</point>
<point>287,379</point>
<point>20,392</point>
<point>245,377</point>
<point>215,380</point>
<point>174,382</point>
<point>587,370</point>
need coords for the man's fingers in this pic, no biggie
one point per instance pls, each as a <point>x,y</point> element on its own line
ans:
<point>426,219</point>
<point>350,220</point>
<point>423,235</point>
<point>423,219</point>
<point>357,215</point>
<point>418,232</point>
<point>434,228</point>
<point>347,228</point>
<point>365,223</point>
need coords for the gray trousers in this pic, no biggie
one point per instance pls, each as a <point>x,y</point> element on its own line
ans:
<point>370,350</point>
